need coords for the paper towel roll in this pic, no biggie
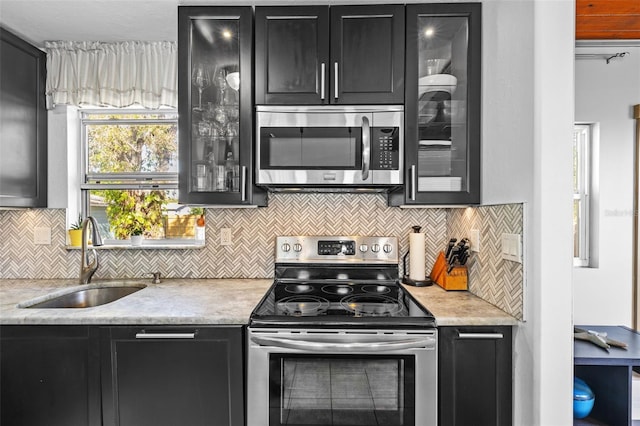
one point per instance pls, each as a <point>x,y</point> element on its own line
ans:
<point>416,256</point>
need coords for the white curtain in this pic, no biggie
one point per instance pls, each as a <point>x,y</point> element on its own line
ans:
<point>131,73</point>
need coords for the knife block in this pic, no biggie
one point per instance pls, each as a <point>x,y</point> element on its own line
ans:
<point>457,279</point>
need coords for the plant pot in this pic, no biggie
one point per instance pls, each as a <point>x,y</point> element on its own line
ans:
<point>136,240</point>
<point>75,237</point>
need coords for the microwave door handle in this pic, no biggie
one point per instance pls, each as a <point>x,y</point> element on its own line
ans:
<point>366,147</point>
<point>306,345</point>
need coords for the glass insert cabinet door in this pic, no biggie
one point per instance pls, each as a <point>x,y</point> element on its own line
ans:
<point>215,115</point>
<point>443,101</point>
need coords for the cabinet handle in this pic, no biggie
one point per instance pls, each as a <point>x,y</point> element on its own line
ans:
<point>494,336</point>
<point>322,74</point>
<point>413,182</point>
<point>335,78</point>
<point>243,184</point>
<point>143,335</point>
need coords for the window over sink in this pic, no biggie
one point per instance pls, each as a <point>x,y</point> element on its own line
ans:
<point>129,177</point>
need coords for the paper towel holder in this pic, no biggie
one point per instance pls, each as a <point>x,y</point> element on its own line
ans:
<point>405,278</point>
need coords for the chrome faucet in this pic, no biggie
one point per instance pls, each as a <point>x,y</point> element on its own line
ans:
<point>88,269</point>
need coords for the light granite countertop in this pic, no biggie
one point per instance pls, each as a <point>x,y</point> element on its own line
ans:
<point>459,307</point>
<point>204,301</point>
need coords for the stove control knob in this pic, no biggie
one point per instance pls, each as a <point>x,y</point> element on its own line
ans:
<point>387,248</point>
<point>364,248</point>
<point>285,247</point>
<point>297,247</point>
<point>375,248</point>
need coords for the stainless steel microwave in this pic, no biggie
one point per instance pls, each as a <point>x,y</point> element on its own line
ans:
<point>331,147</point>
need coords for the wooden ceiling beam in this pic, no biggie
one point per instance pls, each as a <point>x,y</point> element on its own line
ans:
<point>607,19</point>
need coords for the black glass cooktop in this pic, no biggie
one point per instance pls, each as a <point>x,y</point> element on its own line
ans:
<point>382,303</point>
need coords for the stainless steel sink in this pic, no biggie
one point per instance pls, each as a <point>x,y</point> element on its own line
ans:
<point>87,297</point>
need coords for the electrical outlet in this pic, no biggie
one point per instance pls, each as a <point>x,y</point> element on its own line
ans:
<point>225,236</point>
<point>42,235</point>
<point>474,239</point>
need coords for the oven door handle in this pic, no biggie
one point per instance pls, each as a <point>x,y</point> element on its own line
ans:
<point>320,346</point>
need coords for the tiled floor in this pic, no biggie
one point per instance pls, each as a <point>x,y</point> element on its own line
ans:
<point>342,392</point>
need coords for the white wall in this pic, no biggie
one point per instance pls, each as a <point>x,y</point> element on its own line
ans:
<point>63,138</point>
<point>605,94</point>
<point>507,101</point>
<point>527,151</point>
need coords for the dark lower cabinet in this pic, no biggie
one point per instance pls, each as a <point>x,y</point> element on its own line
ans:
<point>49,376</point>
<point>475,376</point>
<point>158,376</point>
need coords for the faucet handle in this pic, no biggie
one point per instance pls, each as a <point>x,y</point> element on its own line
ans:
<point>156,277</point>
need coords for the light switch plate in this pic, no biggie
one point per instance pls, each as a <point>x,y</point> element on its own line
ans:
<point>474,239</point>
<point>512,247</point>
<point>42,235</point>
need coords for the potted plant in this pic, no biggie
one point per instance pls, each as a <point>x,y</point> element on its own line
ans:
<point>136,228</point>
<point>200,224</point>
<point>75,232</point>
<point>136,233</point>
<point>137,236</point>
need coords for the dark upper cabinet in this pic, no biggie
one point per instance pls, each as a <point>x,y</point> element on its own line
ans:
<point>292,54</point>
<point>313,55</point>
<point>442,105</point>
<point>50,376</point>
<point>180,376</point>
<point>23,123</point>
<point>215,81</point>
<point>475,376</point>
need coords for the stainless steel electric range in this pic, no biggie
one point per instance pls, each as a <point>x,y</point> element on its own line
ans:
<point>338,341</point>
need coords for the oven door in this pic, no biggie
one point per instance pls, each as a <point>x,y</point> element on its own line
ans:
<point>354,377</point>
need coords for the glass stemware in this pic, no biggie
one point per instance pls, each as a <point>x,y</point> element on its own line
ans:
<point>221,82</point>
<point>201,78</point>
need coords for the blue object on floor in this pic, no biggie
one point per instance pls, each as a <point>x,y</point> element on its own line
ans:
<point>583,399</point>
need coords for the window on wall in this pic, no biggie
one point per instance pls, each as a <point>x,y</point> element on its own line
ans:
<point>129,177</point>
<point>582,144</point>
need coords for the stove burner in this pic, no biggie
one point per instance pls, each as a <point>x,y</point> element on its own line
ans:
<point>303,306</point>
<point>378,289</point>
<point>298,288</point>
<point>370,305</point>
<point>339,289</point>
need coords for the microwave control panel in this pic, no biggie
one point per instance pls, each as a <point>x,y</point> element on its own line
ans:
<point>385,148</point>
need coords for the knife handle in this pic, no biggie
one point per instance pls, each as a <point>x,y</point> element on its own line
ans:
<point>448,252</point>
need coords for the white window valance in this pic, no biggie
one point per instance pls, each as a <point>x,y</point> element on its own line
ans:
<point>122,74</point>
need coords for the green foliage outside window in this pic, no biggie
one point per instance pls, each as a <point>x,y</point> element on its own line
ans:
<point>130,147</point>
<point>135,212</point>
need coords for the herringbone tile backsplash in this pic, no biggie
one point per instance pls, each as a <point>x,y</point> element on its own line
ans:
<point>498,281</point>
<point>254,231</point>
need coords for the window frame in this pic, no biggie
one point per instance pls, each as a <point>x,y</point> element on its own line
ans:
<point>131,180</point>
<point>583,141</point>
